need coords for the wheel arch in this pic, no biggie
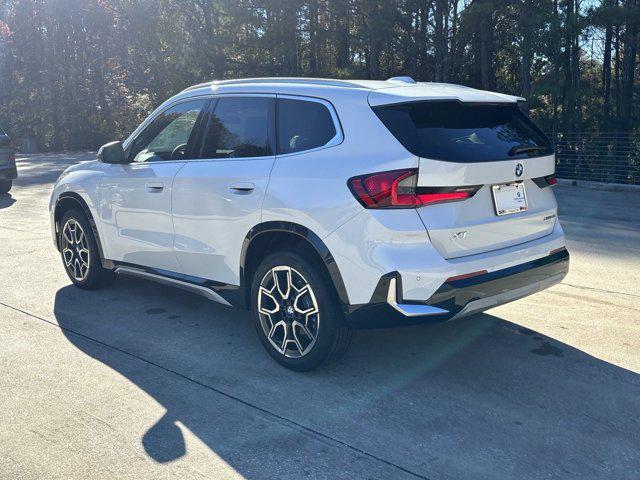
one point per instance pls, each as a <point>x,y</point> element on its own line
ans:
<point>68,201</point>
<point>267,235</point>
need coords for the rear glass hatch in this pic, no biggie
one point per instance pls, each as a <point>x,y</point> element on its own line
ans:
<point>491,151</point>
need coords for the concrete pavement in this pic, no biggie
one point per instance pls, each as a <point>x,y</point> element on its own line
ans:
<point>142,381</point>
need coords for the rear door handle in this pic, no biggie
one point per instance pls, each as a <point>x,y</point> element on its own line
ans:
<point>242,187</point>
<point>153,187</point>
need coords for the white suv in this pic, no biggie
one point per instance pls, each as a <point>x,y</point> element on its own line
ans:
<point>322,205</point>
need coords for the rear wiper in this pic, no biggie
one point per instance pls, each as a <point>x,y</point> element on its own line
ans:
<point>518,149</point>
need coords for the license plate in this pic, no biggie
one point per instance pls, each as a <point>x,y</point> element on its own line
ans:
<point>509,198</point>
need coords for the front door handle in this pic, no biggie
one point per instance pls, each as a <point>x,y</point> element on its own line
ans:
<point>153,187</point>
<point>242,187</point>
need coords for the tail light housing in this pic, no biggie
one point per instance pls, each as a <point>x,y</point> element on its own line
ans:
<point>547,181</point>
<point>398,189</point>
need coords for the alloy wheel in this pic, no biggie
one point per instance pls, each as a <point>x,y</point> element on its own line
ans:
<point>75,250</point>
<point>288,310</point>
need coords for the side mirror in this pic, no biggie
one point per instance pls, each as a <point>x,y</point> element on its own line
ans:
<point>112,152</point>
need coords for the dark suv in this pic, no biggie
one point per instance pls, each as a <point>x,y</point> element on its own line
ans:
<point>8,171</point>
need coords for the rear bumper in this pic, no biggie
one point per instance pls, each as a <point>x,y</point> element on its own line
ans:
<point>470,295</point>
<point>8,173</point>
<point>460,298</point>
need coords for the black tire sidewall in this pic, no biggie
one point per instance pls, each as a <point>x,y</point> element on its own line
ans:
<point>5,186</point>
<point>330,312</point>
<point>95,276</point>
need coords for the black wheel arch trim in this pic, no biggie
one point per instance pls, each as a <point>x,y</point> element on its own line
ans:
<point>87,211</point>
<point>304,233</point>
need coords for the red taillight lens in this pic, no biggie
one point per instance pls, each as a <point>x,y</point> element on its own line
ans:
<point>398,189</point>
<point>551,180</point>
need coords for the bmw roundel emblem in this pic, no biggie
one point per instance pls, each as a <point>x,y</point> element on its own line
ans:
<point>519,170</point>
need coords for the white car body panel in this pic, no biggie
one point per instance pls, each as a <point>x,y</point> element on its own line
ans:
<point>435,91</point>
<point>82,180</point>
<point>135,213</point>
<point>380,243</point>
<point>211,218</point>
<point>442,174</point>
<point>482,229</point>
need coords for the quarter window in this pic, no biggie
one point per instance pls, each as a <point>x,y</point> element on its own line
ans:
<point>303,125</point>
<point>167,136</point>
<point>240,127</point>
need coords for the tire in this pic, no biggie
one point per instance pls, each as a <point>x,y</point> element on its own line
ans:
<point>311,338</point>
<point>80,254</point>
<point>5,186</point>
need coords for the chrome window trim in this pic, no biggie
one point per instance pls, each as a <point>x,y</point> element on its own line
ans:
<point>337,139</point>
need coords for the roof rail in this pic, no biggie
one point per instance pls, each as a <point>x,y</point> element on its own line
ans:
<point>199,85</point>
<point>299,80</point>
<point>405,79</point>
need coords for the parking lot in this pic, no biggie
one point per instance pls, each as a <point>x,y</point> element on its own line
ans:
<point>143,381</point>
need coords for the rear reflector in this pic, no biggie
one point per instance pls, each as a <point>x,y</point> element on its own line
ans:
<point>466,275</point>
<point>398,189</point>
<point>551,180</point>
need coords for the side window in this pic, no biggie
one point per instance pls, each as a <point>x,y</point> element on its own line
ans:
<point>240,127</point>
<point>303,125</point>
<point>167,137</point>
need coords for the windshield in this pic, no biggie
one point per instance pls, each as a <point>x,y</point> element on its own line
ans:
<point>462,132</point>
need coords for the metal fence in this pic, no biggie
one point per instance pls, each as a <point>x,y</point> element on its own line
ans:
<point>599,157</point>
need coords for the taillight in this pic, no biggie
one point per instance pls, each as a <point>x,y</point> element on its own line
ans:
<point>544,182</point>
<point>398,189</point>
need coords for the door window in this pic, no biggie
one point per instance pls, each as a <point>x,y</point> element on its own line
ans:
<point>240,127</point>
<point>168,136</point>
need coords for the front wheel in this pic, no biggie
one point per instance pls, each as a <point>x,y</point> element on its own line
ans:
<point>79,252</point>
<point>296,312</point>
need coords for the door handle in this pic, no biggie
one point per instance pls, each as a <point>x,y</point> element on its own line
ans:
<point>154,187</point>
<point>242,187</point>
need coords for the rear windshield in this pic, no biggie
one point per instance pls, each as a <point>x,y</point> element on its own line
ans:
<point>459,132</point>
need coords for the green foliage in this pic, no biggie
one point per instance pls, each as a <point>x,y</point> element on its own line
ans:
<point>76,73</point>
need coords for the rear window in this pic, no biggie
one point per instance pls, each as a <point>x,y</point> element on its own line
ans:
<point>459,132</point>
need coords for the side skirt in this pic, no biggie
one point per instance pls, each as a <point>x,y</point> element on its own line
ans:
<point>225,294</point>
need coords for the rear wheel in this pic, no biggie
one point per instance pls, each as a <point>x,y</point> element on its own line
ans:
<point>296,312</point>
<point>5,186</point>
<point>79,252</point>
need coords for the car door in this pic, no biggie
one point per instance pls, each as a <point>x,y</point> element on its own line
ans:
<point>135,198</point>
<point>217,199</point>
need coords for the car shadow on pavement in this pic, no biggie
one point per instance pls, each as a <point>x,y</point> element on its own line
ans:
<point>476,398</point>
<point>6,200</point>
